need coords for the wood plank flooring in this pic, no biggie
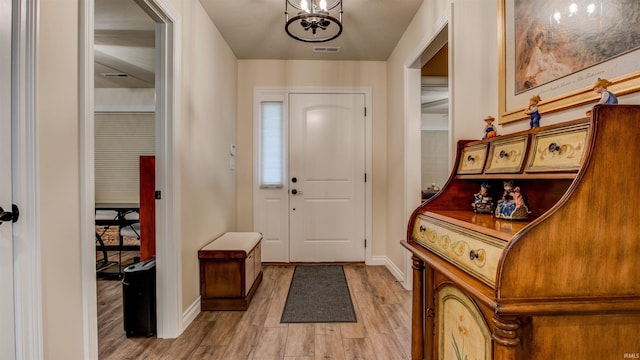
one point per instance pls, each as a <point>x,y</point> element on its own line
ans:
<point>382,331</point>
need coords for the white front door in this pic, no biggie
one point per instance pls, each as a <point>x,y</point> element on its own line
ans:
<point>326,177</point>
<point>7,324</point>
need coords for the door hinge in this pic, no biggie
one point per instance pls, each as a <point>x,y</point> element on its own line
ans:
<point>365,243</point>
<point>365,111</point>
<point>365,177</point>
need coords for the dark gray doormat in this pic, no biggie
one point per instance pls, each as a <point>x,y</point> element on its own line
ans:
<point>318,294</point>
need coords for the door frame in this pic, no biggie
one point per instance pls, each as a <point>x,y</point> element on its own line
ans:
<point>26,232</point>
<point>260,93</point>
<point>168,229</point>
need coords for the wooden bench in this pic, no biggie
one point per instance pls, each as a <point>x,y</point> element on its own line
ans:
<point>230,271</point>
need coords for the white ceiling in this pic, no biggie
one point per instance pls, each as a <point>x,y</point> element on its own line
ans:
<point>254,29</point>
<point>124,37</point>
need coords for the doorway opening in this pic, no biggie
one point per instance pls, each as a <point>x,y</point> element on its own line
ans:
<point>166,106</point>
<point>434,122</point>
<point>124,54</point>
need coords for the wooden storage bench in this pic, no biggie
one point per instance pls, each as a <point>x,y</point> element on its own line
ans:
<point>230,271</point>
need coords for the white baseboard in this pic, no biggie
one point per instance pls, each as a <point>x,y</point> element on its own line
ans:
<point>377,261</point>
<point>191,313</point>
<point>384,261</point>
<point>395,271</point>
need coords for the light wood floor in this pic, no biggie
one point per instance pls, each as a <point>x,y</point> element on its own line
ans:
<point>382,332</point>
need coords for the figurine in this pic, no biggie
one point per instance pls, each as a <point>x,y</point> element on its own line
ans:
<point>489,129</point>
<point>513,205</point>
<point>483,203</point>
<point>532,111</point>
<point>606,96</point>
<point>430,191</point>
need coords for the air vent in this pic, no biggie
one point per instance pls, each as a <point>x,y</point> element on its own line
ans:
<point>115,75</point>
<point>326,49</point>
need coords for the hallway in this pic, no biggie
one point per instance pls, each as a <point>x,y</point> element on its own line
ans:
<point>382,308</point>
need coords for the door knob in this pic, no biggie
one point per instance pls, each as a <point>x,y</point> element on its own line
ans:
<point>294,191</point>
<point>9,215</point>
<point>294,179</point>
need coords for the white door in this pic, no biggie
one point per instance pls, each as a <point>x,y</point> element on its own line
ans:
<point>7,326</point>
<point>326,177</point>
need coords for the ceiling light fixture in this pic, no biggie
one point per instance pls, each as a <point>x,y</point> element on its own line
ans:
<point>316,21</point>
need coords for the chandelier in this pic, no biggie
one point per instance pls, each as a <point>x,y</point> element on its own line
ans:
<point>316,20</point>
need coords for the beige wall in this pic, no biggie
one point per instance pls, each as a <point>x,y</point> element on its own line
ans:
<point>58,171</point>
<point>281,73</point>
<point>207,128</point>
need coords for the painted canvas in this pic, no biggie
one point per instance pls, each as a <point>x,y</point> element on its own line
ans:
<point>556,38</point>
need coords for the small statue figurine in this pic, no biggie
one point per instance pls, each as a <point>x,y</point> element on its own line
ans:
<point>483,203</point>
<point>532,111</point>
<point>606,96</point>
<point>489,129</point>
<point>513,205</point>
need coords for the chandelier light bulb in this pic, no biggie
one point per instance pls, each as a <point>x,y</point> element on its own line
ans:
<point>573,8</point>
<point>304,5</point>
<point>323,5</point>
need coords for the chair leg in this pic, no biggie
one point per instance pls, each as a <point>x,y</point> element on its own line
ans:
<point>105,257</point>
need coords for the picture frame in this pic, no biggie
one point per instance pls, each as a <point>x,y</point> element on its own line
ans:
<point>570,88</point>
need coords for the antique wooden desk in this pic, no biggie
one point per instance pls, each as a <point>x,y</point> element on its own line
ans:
<point>561,284</point>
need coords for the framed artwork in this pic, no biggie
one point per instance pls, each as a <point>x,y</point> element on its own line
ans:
<point>557,49</point>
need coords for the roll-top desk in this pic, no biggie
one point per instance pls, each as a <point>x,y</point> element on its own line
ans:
<point>562,283</point>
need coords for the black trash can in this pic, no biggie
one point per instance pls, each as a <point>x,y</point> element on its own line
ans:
<point>139,298</point>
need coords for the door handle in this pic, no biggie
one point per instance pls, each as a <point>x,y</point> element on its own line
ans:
<point>9,215</point>
<point>295,192</point>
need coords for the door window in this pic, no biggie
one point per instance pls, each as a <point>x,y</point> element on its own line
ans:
<point>271,166</point>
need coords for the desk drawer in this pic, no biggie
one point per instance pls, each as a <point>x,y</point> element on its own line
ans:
<point>507,156</point>
<point>558,150</point>
<point>475,253</point>
<point>472,159</point>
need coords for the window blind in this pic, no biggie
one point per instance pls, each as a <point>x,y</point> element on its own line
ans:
<point>120,140</point>
<point>271,145</point>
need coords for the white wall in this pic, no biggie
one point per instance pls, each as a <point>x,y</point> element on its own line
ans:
<point>136,99</point>
<point>281,73</point>
<point>426,24</point>
<point>58,171</point>
<point>208,127</point>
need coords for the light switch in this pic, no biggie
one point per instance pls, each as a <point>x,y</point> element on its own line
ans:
<point>232,149</point>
